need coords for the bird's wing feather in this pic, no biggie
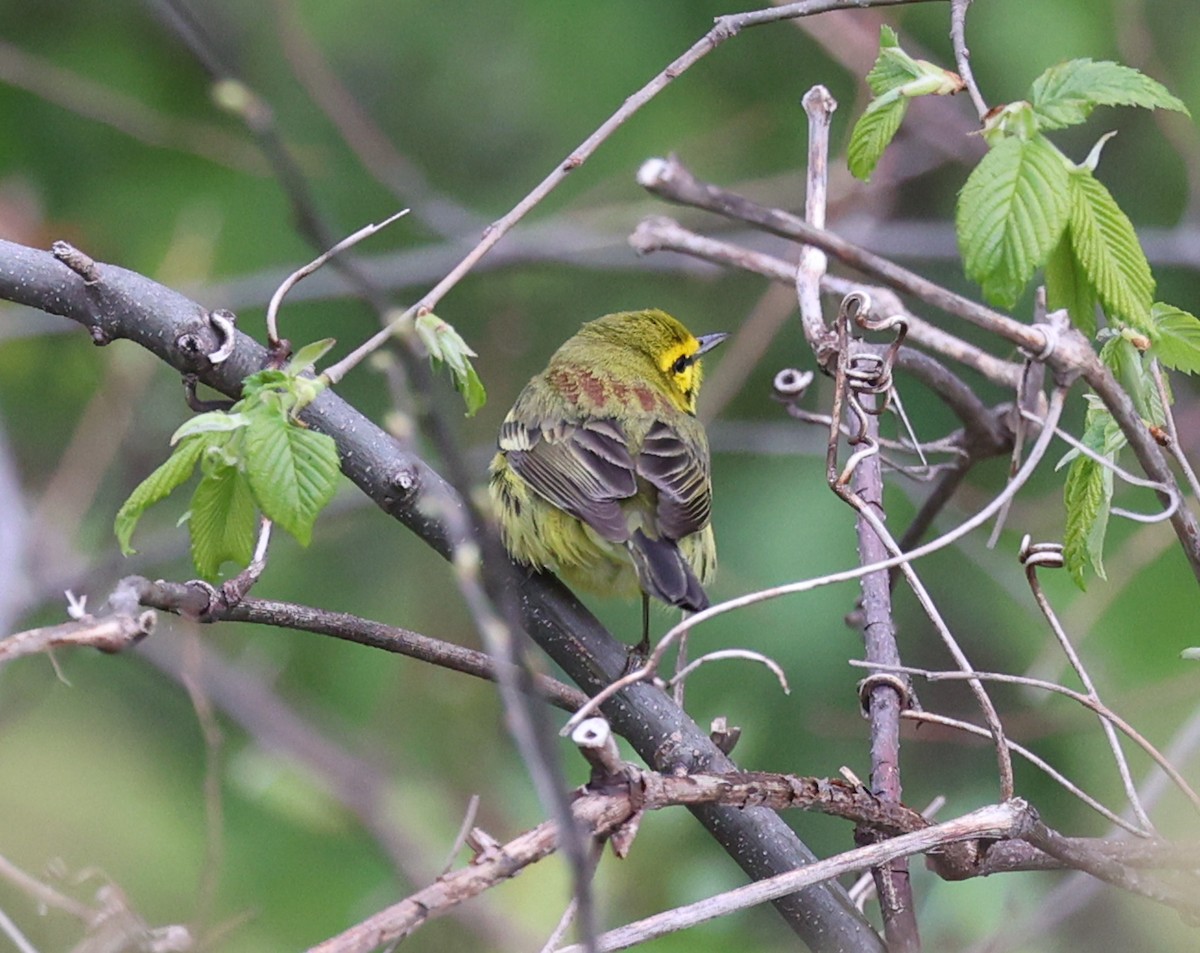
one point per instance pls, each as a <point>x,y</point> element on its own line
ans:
<point>679,471</point>
<point>583,468</point>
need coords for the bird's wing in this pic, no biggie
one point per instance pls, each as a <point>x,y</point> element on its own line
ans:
<point>583,468</point>
<point>679,470</point>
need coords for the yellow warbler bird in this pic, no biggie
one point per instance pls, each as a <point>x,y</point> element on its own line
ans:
<point>603,471</point>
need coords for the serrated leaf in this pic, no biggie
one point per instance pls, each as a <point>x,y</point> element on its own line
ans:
<point>893,67</point>
<point>306,358</point>
<point>214,421</point>
<point>1068,287</point>
<point>471,388</point>
<point>873,132</point>
<point>446,346</point>
<point>223,521</point>
<point>175,470</point>
<point>1176,338</point>
<point>1066,94</point>
<point>1109,252</point>
<point>293,471</point>
<point>266,380</point>
<point>1101,434</point>
<point>1088,498</point>
<point>1011,213</point>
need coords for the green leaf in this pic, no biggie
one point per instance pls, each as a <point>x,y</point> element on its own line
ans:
<point>1066,94</point>
<point>1101,433</point>
<point>1130,369</point>
<point>270,380</point>
<point>1067,286</point>
<point>1088,497</point>
<point>1011,213</point>
<point>1109,252</point>
<point>293,471</point>
<point>174,471</point>
<point>306,358</point>
<point>893,67</point>
<point>446,346</point>
<point>1176,338</point>
<point>215,421</point>
<point>873,132</point>
<point>223,521</point>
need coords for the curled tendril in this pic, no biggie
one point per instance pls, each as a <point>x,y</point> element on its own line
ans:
<point>865,370</point>
<point>791,384</point>
<point>1049,555</point>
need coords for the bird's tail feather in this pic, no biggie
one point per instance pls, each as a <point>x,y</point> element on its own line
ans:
<point>665,574</point>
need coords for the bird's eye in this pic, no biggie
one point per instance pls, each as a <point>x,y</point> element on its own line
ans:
<point>682,363</point>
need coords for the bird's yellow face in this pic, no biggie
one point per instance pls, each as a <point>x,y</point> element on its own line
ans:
<point>680,363</point>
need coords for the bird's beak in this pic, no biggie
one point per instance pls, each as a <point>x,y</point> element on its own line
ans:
<point>709,341</point>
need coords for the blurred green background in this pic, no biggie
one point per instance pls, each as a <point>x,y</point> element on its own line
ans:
<point>341,774</point>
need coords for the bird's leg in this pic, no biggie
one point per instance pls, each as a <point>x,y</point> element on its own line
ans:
<point>640,652</point>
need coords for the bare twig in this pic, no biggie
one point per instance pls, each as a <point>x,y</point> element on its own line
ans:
<point>723,654</point>
<point>660,233</point>
<point>200,601</point>
<point>962,56</point>
<point>723,29</point>
<point>1173,445</point>
<point>109,633</point>
<point>883,700</point>
<point>1087,701</point>
<point>1051,556</point>
<point>300,273</point>
<point>932,718</point>
<point>997,820</point>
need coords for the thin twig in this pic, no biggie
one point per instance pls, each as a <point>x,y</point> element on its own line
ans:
<point>1173,445</point>
<point>660,233</point>
<point>1029,556</point>
<point>932,718</point>
<point>299,274</point>
<point>196,601</point>
<point>723,29</point>
<point>1087,701</point>
<point>722,655</point>
<point>996,820</point>
<point>962,56</point>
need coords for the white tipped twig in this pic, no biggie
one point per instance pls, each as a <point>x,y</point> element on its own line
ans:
<point>301,273</point>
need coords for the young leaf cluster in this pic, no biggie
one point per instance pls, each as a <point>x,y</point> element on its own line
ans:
<point>1026,207</point>
<point>895,78</point>
<point>255,457</point>
<point>446,347</point>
